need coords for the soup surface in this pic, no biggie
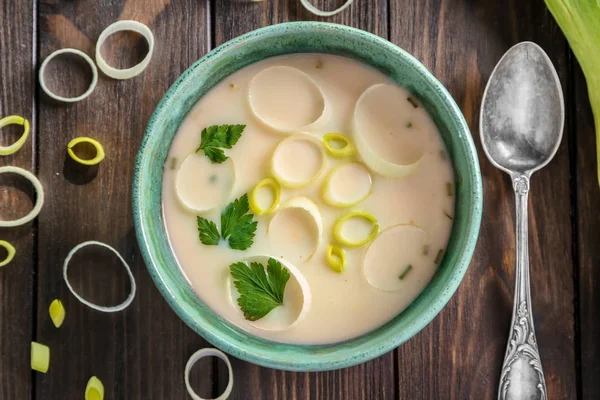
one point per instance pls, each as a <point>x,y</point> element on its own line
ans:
<point>399,175</point>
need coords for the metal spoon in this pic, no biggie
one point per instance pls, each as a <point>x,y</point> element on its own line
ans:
<point>521,125</point>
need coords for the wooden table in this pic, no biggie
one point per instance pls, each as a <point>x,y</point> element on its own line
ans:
<point>141,353</point>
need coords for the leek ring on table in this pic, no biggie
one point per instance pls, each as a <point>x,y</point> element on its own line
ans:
<point>39,192</point>
<point>321,13</point>
<point>40,357</point>
<point>298,285</point>
<point>371,158</point>
<point>56,97</point>
<point>307,205</point>
<point>291,182</point>
<point>57,312</point>
<point>261,88</point>
<point>275,188</point>
<point>94,390</point>
<point>93,161</point>
<point>96,307</point>
<point>119,26</point>
<point>327,191</point>
<point>203,353</point>
<point>10,252</point>
<point>347,148</point>
<point>407,253</point>
<point>16,146</point>
<point>336,258</point>
<point>339,225</point>
<point>193,197</point>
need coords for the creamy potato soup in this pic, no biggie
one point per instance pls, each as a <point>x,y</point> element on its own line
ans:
<point>308,198</point>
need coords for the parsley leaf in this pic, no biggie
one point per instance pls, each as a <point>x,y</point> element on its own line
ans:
<point>237,226</point>
<point>260,292</point>
<point>209,234</point>
<point>215,138</point>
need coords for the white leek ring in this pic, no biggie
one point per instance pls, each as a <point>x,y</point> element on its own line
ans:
<point>288,183</point>
<point>40,357</point>
<point>336,258</point>
<point>347,149</point>
<point>272,184</point>
<point>306,204</point>
<point>94,390</point>
<point>78,53</point>
<point>197,166</point>
<point>10,252</point>
<point>321,13</point>
<point>200,354</point>
<point>39,193</point>
<point>273,123</point>
<point>120,26</point>
<point>370,157</point>
<point>339,225</point>
<point>93,161</point>
<point>296,274</point>
<point>57,312</point>
<point>16,146</point>
<point>327,190</point>
<point>96,307</point>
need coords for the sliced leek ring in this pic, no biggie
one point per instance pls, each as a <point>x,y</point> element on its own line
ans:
<point>336,258</point>
<point>16,146</point>
<point>307,205</point>
<point>347,149</point>
<point>361,184</point>
<point>272,184</point>
<point>10,252</point>
<point>57,312</point>
<point>202,186</point>
<point>339,225</point>
<point>284,153</point>
<point>278,83</point>
<point>397,250</point>
<point>94,390</point>
<point>373,160</point>
<point>200,354</point>
<point>283,317</point>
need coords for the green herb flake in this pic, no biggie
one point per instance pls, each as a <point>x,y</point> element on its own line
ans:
<point>208,232</point>
<point>409,125</point>
<point>425,249</point>
<point>413,101</point>
<point>443,155</point>
<point>439,256</point>
<point>233,85</point>
<point>213,179</point>
<point>173,162</point>
<point>448,215</point>
<point>260,292</point>
<point>218,137</point>
<point>405,272</point>
<point>319,64</point>
<point>237,226</point>
<point>449,189</point>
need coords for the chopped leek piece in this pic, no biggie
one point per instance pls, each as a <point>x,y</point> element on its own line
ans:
<point>40,357</point>
<point>57,312</point>
<point>272,184</point>
<point>94,389</point>
<point>339,224</point>
<point>10,252</point>
<point>439,256</point>
<point>336,258</point>
<point>346,148</point>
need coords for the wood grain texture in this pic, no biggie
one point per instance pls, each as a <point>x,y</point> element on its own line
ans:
<point>17,50</point>
<point>460,41</point>
<point>585,185</point>
<point>372,380</point>
<point>139,353</point>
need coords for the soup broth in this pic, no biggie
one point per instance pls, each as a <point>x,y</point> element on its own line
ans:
<point>394,168</point>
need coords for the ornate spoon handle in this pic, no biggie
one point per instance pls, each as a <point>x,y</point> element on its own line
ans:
<point>522,375</point>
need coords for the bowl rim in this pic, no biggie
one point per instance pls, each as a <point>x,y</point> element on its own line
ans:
<point>372,348</point>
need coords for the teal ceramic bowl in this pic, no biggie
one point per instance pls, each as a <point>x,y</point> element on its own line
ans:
<point>302,37</point>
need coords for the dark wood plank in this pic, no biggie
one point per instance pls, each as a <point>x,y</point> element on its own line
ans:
<point>139,353</point>
<point>588,237</point>
<point>17,53</point>
<point>372,380</point>
<point>460,42</point>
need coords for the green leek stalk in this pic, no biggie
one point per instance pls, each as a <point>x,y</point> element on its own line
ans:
<point>580,22</point>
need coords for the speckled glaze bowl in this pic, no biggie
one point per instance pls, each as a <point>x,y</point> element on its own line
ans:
<point>302,37</point>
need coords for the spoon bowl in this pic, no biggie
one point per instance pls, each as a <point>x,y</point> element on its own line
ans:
<point>522,114</point>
